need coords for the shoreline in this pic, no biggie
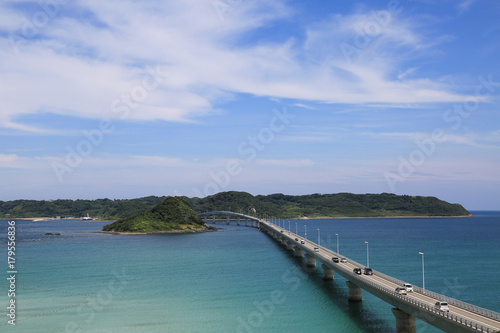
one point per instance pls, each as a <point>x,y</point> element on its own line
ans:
<point>379,217</point>
<point>165,232</point>
<point>42,219</point>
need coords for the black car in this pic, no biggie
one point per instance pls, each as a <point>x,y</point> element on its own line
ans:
<point>297,239</point>
<point>335,259</point>
<point>367,271</point>
<point>357,270</point>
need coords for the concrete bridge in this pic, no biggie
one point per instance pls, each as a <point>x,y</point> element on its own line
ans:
<point>462,317</point>
<point>248,219</point>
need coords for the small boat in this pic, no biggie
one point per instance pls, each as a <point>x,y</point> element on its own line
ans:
<point>87,218</point>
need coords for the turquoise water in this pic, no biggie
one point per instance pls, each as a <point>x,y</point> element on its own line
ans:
<point>238,279</point>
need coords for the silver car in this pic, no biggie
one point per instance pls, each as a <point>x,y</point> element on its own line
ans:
<point>442,306</point>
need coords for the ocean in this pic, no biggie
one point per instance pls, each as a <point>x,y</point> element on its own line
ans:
<point>237,279</point>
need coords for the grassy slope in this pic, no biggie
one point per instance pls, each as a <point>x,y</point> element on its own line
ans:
<point>172,214</point>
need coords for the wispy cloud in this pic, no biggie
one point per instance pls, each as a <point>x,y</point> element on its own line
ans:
<point>79,64</point>
<point>465,5</point>
<point>286,163</point>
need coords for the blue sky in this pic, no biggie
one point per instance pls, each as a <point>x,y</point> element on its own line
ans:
<point>124,99</point>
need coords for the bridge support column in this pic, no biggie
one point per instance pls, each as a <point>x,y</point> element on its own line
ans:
<point>327,272</point>
<point>289,246</point>
<point>238,221</point>
<point>246,222</point>
<point>298,252</point>
<point>283,241</point>
<point>213,219</point>
<point>355,292</point>
<point>405,323</point>
<point>205,219</point>
<point>310,260</point>
<point>227,220</point>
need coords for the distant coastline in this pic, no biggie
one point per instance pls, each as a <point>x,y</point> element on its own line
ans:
<point>305,218</point>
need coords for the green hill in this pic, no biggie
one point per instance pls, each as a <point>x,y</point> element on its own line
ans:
<point>278,205</point>
<point>100,208</point>
<point>173,214</point>
<point>329,205</point>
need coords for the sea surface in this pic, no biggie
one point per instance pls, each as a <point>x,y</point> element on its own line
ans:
<point>237,279</point>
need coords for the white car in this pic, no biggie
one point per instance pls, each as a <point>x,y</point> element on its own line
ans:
<point>409,287</point>
<point>316,249</point>
<point>442,306</point>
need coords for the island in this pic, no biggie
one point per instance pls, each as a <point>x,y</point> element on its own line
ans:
<point>173,215</point>
<point>336,205</point>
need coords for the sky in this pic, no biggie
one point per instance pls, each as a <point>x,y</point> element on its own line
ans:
<point>127,98</point>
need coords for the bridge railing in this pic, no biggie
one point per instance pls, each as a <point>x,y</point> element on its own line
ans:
<point>426,307</point>
<point>444,298</point>
<point>430,308</point>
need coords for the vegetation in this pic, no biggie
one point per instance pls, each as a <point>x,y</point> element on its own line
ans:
<point>173,214</point>
<point>101,208</point>
<point>278,205</point>
<point>329,205</point>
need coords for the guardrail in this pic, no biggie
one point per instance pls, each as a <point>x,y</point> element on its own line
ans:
<point>426,307</point>
<point>460,304</point>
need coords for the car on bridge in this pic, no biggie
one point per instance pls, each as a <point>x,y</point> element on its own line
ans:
<point>335,259</point>
<point>409,287</point>
<point>357,270</point>
<point>302,241</point>
<point>367,271</point>
<point>316,249</point>
<point>442,306</point>
<point>296,239</point>
<point>343,260</point>
<point>401,290</point>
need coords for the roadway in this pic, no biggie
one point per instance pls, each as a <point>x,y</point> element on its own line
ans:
<point>413,303</point>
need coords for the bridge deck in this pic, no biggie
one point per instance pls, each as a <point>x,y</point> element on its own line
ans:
<point>463,317</point>
<point>417,303</point>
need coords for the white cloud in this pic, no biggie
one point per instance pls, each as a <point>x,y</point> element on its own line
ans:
<point>482,140</point>
<point>465,5</point>
<point>79,66</point>
<point>291,163</point>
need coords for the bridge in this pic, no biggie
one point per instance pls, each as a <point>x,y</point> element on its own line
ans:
<point>462,317</point>
<point>247,218</point>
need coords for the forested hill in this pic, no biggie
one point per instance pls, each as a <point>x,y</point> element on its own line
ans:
<point>329,205</point>
<point>172,215</point>
<point>277,205</point>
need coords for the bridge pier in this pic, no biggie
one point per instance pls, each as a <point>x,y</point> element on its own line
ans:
<point>213,219</point>
<point>310,260</point>
<point>227,220</point>
<point>298,252</point>
<point>355,292</point>
<point>238,221</point>
<point>327,272</point>
<point>283,241</point>
<point>289,246</point>
<point>405,323</point>
<point>246,222</point>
